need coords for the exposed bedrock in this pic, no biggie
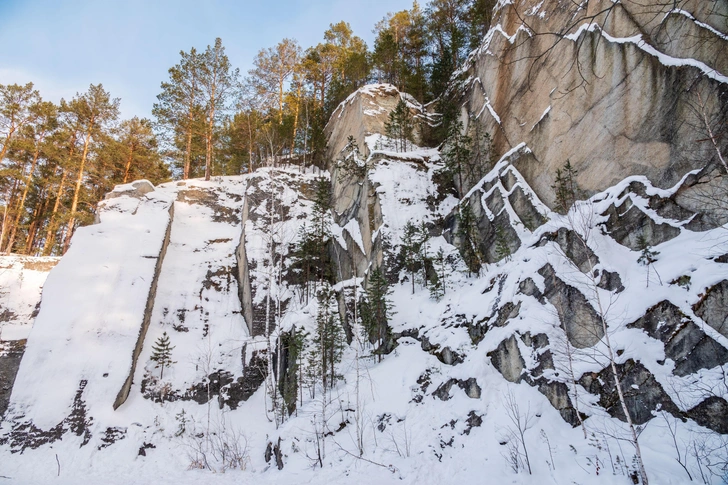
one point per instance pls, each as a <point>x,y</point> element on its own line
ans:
<point>124,391</point>
<point>642,393</point>
<point>507,359</point>
<point>613,118</point>
<point>11,353</point>
<point>582,324</point>
<point>713,307</point>
<point>685,343</point>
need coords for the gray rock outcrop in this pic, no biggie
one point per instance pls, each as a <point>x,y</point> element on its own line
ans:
<point>606,103</point>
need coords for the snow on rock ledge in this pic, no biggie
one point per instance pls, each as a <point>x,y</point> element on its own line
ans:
<point>93,307</point>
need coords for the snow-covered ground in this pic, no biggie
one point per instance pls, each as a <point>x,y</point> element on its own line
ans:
<point>394,421</point>
<point>21,283</point>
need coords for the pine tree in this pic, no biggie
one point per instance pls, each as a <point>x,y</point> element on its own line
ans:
<point>328,340</point>
<point>218,82</point>
<point>352,165</point>
<point>92,112</point>
<point>409,251</point>
<point>438,287</point>
<point>400,126</point>
<point>423,234</point>
<point>297,348</point>
<point>311,251</point>
<point>457,153</point>
<point>140,152</point>
<point>376,310</point>
<point>566,187</point>
<point>321,229</point>
<point>162,354</point>
<point>502,251</point>
<point>466,231</point>
<point>178,109</point>
<point>647,255</point>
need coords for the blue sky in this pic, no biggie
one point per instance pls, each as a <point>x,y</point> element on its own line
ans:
<point>128,45</point>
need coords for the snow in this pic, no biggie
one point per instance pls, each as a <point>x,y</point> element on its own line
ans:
<point>641,44</point>
<point>21,282</point>
<point>697,22</point>
<point>409,435</point>
<point>93,306</point>
<point>352,227</point>
<point>546,111</point>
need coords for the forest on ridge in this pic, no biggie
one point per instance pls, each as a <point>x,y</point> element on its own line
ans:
<point>59,160</point>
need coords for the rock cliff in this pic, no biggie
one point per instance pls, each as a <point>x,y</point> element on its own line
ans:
<point>617,88</point>
<point>468,347</point>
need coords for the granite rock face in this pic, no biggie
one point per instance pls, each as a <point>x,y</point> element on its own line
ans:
<point>594,95</point>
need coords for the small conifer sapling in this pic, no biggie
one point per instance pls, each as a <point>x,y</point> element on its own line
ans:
<point>162,353</point>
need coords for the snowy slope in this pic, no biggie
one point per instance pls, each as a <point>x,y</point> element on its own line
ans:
<point>94,303</point>
<point>21,283</point>
<point>211,265</point>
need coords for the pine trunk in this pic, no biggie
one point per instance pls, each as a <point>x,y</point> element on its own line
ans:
<point>21,205</point>
<point>33,229</point>
<point>295,119</point>
<point>50,234</point>
<point>76,192</point>
<point>128,163</point>
<point>7,214</point>
<point>210,127</point>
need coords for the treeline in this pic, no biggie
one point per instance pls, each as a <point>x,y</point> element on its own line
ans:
<point>216,121</point>
<point>59,160</point>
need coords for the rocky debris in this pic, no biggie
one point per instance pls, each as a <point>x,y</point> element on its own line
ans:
<point>25,434</point>
<point>274,451</point>
<point>423,383</point>
<point>642,393</point>
<point>713,307</point>
<point>474,421</point>
<point>230,391</point>
<point>685,343</point>
<point>525,209</point>
<point>11,352</point>
<point>446,355</point>
<point>579,320</point>
<point>628,223</point>
<point>505,313</point>
<point>610,281</point>
<point>711,413</point>
<point>212,198</point>
<point>507,359</point>
<point>111,436</point>
<point>529,288</point>
<point>470,386</point>
<point>493,236</point>
<point>558,395</point>
<point>144,447</point>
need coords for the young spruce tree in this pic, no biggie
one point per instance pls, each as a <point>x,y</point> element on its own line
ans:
<point>162,353</point>
<point>466,231</point>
